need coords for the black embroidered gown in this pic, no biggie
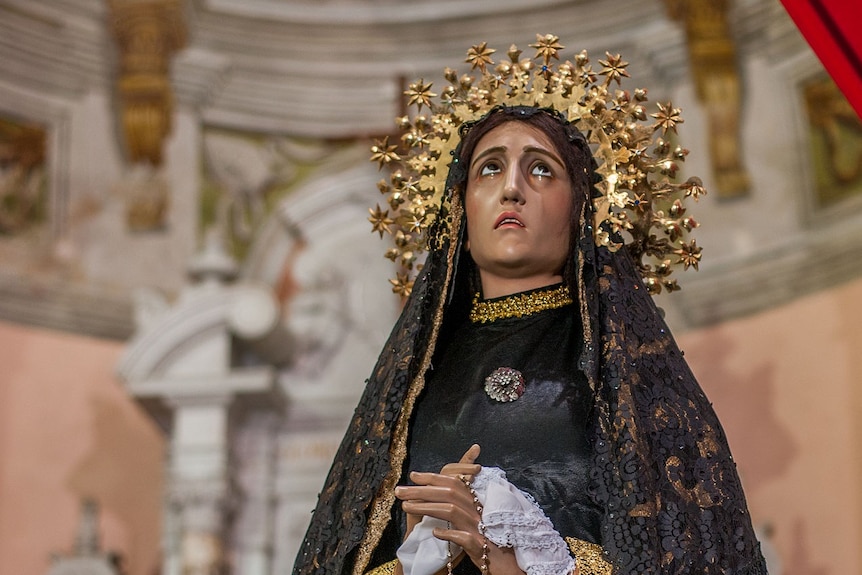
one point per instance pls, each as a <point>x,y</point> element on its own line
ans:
<point>540,440</point>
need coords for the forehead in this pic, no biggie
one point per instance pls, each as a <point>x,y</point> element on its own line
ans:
<point>515,135</point>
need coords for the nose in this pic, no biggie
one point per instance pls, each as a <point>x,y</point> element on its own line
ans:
<point>513,187</point>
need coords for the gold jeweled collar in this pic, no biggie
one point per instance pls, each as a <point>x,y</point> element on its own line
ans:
<point>519,305</point>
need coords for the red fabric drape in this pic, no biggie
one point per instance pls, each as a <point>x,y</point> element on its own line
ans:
<point>832,28</point>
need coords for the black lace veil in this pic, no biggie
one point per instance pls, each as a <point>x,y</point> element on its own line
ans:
<point>662,469</point>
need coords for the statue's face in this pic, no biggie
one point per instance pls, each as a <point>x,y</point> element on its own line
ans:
<point>519,206</point>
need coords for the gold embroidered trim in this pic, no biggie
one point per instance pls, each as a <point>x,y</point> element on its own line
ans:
<point>519,305</point>
<point>590,557</point>
<point>385,569</point>
<point>586,321</point>
<point>381,507</point>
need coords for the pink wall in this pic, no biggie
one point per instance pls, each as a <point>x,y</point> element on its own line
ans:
<point>68,431</point>
<point>786,385</point>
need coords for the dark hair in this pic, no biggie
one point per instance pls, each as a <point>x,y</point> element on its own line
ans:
<point>568,141</point>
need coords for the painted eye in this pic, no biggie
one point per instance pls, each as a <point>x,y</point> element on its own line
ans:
<point>490,169</point>
<point>542,171</point>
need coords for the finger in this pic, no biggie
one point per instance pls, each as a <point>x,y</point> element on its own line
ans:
<point>454,494</point>
<point>439,479</point>
<point>455,484</point>
<point>471,454</point>
<point>466,465</point>
<point>440,493</point>
<point>459,517</point>
<point>455,469</point>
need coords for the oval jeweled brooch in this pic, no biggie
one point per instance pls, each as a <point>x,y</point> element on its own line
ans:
<point>505,384</point>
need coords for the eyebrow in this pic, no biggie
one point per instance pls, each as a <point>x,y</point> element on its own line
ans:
<point>487,152</point>
<point>544,152</point>
<point>534,149</point>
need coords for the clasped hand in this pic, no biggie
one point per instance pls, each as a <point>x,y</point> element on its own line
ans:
<point>445,496</point>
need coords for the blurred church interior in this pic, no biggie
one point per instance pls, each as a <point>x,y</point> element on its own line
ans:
<point>191,296</point>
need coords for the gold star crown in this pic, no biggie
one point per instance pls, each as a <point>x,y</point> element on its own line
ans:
<point>637,194</point>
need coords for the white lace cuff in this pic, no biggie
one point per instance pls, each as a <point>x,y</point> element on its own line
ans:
<point>513,519</point>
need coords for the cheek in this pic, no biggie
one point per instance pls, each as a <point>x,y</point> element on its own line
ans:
<point>470,215</point>
<point>473,213</point>
<point>560,212</point>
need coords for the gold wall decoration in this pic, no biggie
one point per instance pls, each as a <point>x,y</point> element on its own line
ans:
<point>22,175</point>
<point>836,142</point>
<point>713,63</point>
<point>147,32</point>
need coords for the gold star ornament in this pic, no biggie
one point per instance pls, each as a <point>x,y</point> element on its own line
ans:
<point>380,220</point>
<point>479,56</point>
